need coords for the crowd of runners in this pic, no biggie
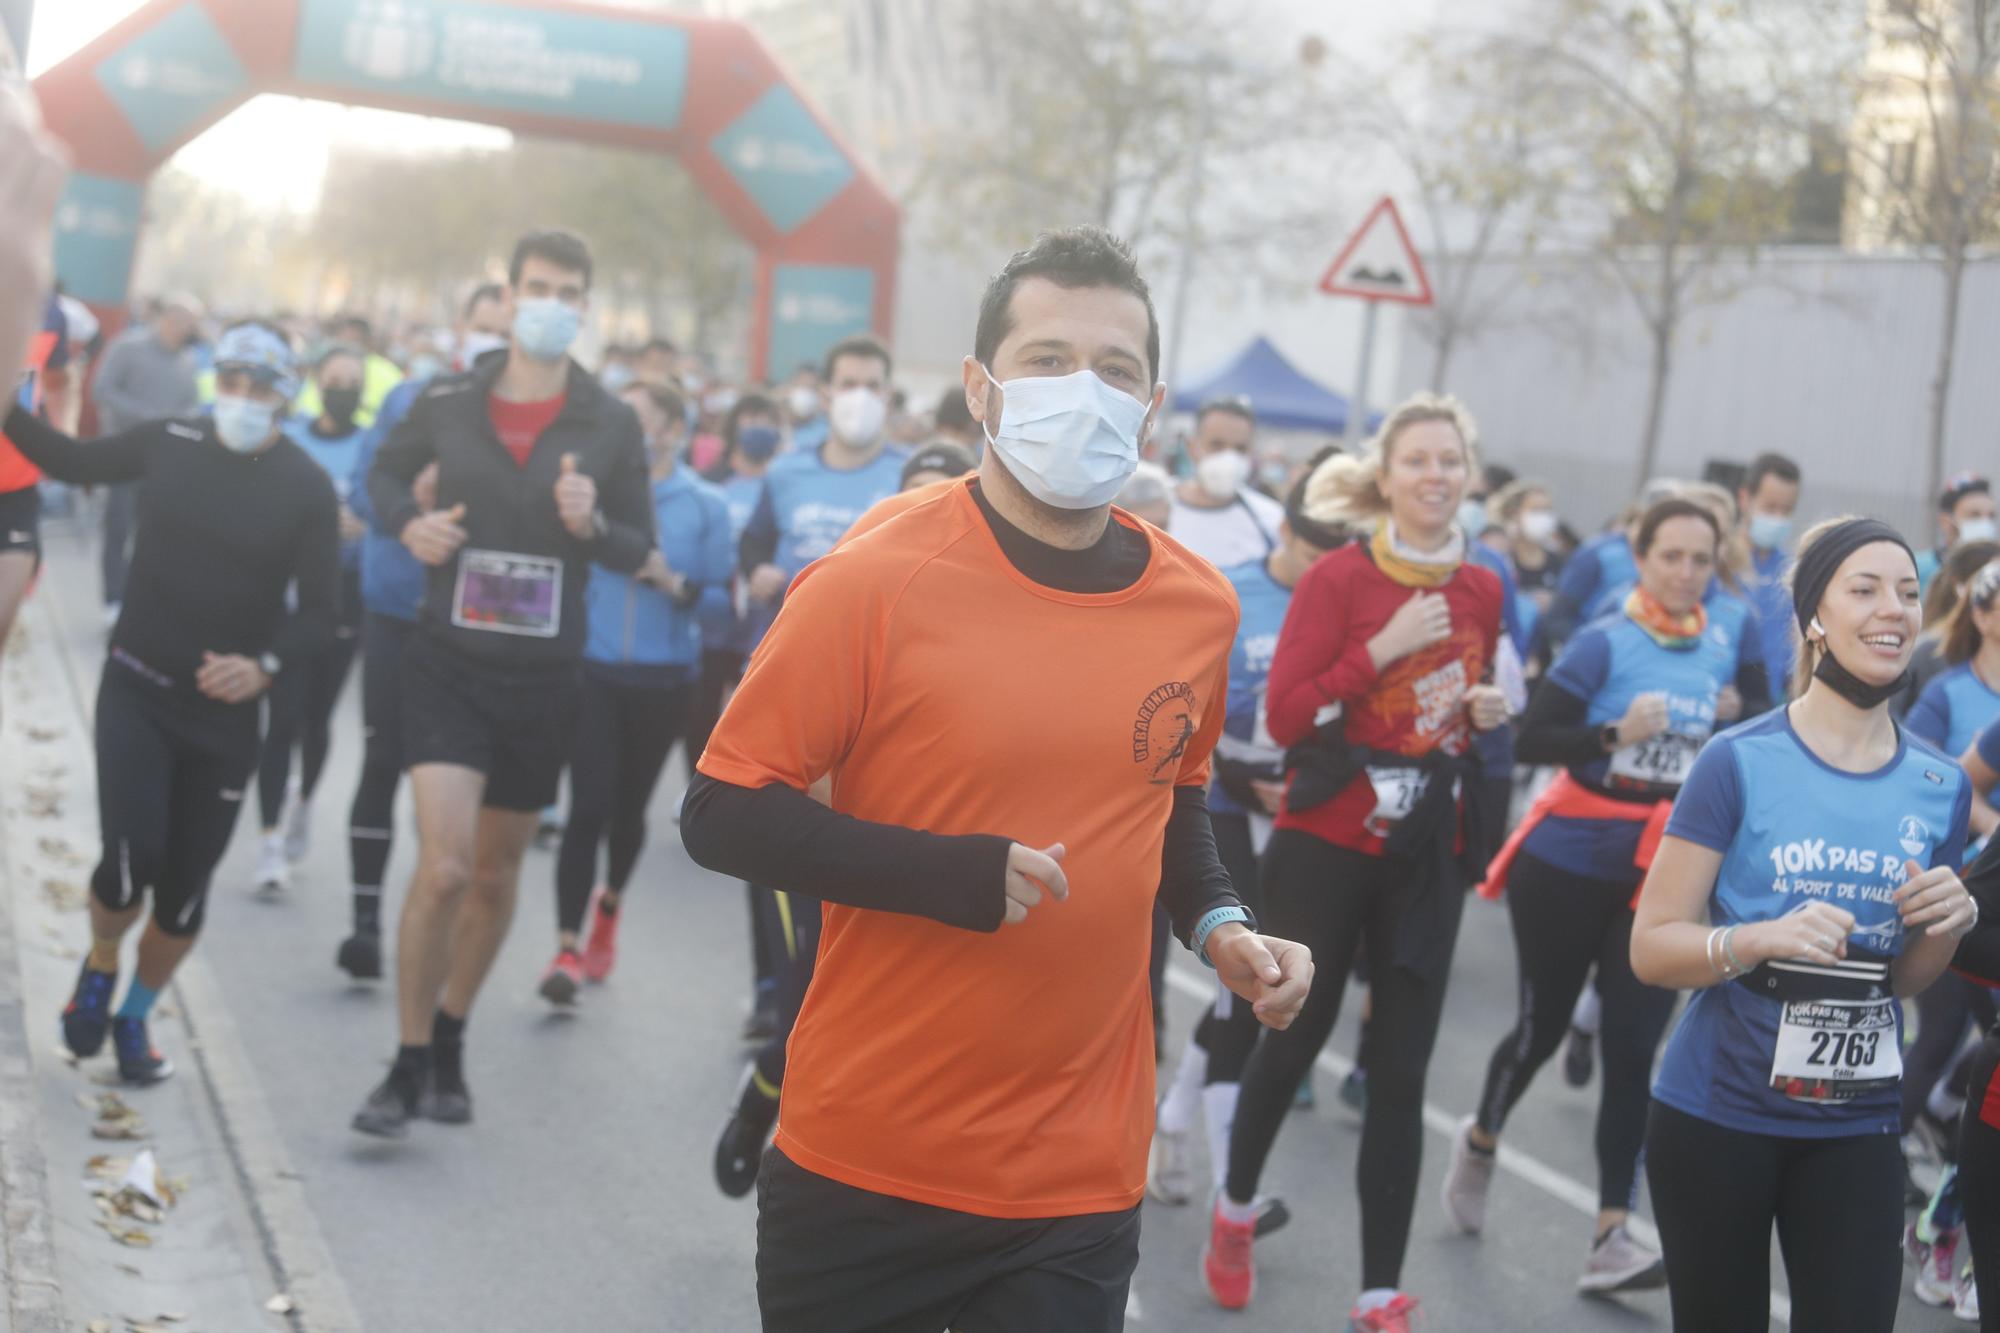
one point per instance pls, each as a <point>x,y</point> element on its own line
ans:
<point>1284,710</point>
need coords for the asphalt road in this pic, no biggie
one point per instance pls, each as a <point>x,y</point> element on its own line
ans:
<point>581,1196</point>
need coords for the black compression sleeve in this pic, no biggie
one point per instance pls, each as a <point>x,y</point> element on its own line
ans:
<point>626,501</point>
<point>759,543</point>
<point>1978,955</point>
<point>1753,682</point>
<point>308,631</point>
<point>779,836</point>
<point>406,452</point>
<point>120,457</point>
<point>1554,729</point>
<point>1192,880</point>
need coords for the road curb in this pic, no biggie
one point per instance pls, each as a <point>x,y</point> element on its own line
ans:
<point>294,1247</point>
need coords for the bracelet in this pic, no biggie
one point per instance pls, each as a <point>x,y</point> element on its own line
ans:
<point>1967,928</point>
<point>1708,954</point>
<point>1205,927</point>
<point>1729,952</point>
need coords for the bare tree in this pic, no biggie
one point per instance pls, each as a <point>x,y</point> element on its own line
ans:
<point>1929,178</point>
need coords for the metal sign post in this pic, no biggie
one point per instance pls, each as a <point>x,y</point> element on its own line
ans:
<point>1377,264</point>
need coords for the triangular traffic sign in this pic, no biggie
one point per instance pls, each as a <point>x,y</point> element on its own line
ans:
<point>1378,263</point>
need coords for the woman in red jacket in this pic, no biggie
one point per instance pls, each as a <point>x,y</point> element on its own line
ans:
<point>1375,688</point>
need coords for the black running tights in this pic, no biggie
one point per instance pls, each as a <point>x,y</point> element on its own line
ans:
<point>1329,898</point>
<point>623,733</point>
<point>300,712</point>
<point>1563,923</point>
<point>1837,1204</point>
<point>1979,1177</point>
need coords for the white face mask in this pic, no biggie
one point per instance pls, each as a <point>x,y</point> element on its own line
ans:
<point>1223,473</point>
<point>1072,441</point>
<point>804,402</point>
<point>857,415</point>
<point>244,424</point>
<point>1538,525</point>
<point>1978,530</point>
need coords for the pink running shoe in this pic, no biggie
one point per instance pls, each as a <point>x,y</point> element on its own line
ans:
<point>563,979</point>
<point>1226,1262</point>
<point>1391,1318</point>
<point>600,948</point>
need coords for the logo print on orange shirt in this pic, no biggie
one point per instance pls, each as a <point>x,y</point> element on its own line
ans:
<point>1161,733</point>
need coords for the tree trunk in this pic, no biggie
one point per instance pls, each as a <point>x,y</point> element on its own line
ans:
<point>1447,343</point>
<point>1954,282</point>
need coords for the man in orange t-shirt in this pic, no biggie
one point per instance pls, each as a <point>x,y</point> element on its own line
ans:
<point>1014,689</point>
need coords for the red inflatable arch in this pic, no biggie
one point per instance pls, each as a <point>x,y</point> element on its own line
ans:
<point>705,90</point>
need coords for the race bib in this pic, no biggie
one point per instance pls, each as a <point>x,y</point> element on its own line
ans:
<point>1663,761</point>
<point>505,593</point>
<point>1836,1050</point>
<point>1397,791</point>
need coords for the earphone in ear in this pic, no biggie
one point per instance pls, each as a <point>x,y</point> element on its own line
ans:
<point>1814,627</point>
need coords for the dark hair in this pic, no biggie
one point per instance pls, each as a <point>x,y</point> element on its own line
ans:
<point>954,460</point>
<point>1960,632</point>
<point>750,404</point>
<point>485,291</point>
<point>351,321</point>
<point>663,396</point>
<point>1326,536</point>
<point>1072,257</point>
<point>952,413</point>
<point>1236,405</point>
<point>348,350</point>
<point>860,344</point>
<point>564,249</point>
<point>1676,507</point>
<point>1498,477</point>
<point>658,345</point>
<point>1960,486</point>
<point>1769,465</point>
<point>1960,564</point>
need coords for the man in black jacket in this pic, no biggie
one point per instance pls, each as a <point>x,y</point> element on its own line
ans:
<point>540,475</point>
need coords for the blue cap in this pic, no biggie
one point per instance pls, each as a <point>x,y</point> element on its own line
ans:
<point>268,357</point>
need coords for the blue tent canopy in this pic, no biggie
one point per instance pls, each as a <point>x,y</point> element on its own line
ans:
<point>1278,393</point>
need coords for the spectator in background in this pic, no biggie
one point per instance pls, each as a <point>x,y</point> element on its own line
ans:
<point>1524,513</point>
<point>1597,576</point>
<point>906,428</point>
<point>805,408</point>
<point>1217,513</point>
<point>1965,514</point>
<point>1940,605</point>
<point>378,373</point>
<point>1149,494</point>
<point>952,423</point>
<point>658,362</point>
<point>148,373</point>
<point>937,462</point>
<point>1767,499</point>
<point>1472,514</point>
<point>617,369</point>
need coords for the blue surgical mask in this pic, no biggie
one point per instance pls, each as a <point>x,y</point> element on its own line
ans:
<point>757,443</point>
<point>545,327</point>
<point>1978,530</point>
<point>1472,516</point>
<point>244,424</point>
<point>1770,532</point>
<point>1072,441</point>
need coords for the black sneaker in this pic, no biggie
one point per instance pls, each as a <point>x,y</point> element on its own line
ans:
<point>744,1134</point>
<point>762,1024</point>
<point>87,1017</point>
<point>389,1109</point>
<point>360,955</point>
<point>445,1098</point>
<point>138,1062</point>
<point>1579,1057</point>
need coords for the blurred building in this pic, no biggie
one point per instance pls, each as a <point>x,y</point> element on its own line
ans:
<point>1893,154</point>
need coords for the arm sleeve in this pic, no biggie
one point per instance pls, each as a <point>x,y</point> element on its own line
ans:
<point>1316,662</point>
<point>1930,719</point>
<point>1710,804</point>
<point>1978,956</point>
<point>625,498</point>
<point>1555,729</point>
<point>402,454</point>
<point>309,629</point>
<point>120,457</point>
<point>776,834</point>
<point>1192,879</point>
<point>1755,686</point>
<point>759,543</point>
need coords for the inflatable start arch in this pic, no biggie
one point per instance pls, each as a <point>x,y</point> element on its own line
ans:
<point>705,90</point>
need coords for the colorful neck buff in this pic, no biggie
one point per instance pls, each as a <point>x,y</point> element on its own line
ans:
<point>1413,568</point>
<point>1667,629</point>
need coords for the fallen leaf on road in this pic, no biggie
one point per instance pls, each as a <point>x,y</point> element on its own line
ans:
<point>173,1319</point>
<point>98,1326</point>
<point>44,734</point>
<point>280,1304</point>
<point>132,1236</point>
<point>128,1268</point>
<point>116,1120</point>
<point>58,849</point>
<point>63,895</point>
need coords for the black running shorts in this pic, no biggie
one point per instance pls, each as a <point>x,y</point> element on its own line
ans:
<point>21,522</point>
<point>515,727</point>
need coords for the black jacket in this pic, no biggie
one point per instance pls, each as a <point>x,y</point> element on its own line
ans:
<point>510,509</point>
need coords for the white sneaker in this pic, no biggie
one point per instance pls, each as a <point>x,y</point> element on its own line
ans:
<point>1619,1263</point>
<point>1965,1300</point>
<point>273,871</point>
<point>1167,1176</point>
<point>1466,1182</point>
<point>298,832</point>
<point>1935,1284</point>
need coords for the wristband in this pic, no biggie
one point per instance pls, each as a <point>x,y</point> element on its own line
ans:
<point>1206,927</point>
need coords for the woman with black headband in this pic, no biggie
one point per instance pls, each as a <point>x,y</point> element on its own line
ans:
<point>1807,880</point>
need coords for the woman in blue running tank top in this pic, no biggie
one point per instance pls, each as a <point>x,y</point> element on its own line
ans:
<point>1808,878</point>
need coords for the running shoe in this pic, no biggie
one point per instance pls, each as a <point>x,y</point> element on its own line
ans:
<point>1272,1215</point>
<point>87,1016</point>
<point>563,979</point>
<point>600,949</point>
<point>1579,1057</point>
<point>1303,1099</point>
<point>1226,1261</point>
<point>1466,1181</point>
<point>298,831</point>
<point>1393,1317</point>
<point>445,1097</point>
<point>1965,1301</point>
<point>1354,1091</point>
<point>1167,1176</point>
<point>1935,1262</point>
<point>138,1062</point>
<point>741,1143</point>
<point>360,955</point>
<point>389,1109</point>
<point>762,1024</point>
<point>274,872</point>
<point>1620,1263</point>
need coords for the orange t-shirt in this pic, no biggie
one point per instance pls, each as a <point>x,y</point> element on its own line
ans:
<point>1006,1074</point>
<point>889,506</point>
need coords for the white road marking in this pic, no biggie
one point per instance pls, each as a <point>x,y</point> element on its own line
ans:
<point>1443,1123</point>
